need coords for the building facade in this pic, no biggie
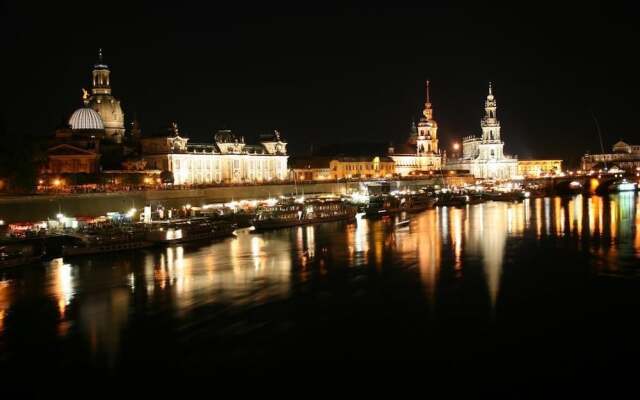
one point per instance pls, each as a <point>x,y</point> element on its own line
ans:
<point>420,154</point>
<point>362,167</point>
<point>227,160</point>
<point>624,156</point>
<point>75,147</point>
<point>484,156</point>
<point>537,168</point>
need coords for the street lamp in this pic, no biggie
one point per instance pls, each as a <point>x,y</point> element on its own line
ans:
<point>456,148</point>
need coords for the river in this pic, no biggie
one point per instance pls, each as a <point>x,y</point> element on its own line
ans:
<point>490,289</point>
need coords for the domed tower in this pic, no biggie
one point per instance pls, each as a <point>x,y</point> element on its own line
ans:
<point>104,103</point>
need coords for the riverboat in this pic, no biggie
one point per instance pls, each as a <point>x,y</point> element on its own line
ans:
<point>17,255</point>
<point>417,202</point>
<point>189,230</point>
<point>288,213</point>
<point>514,195</point>
<point>107,241</point>
<point>617,186</point>
<point>452,200</point>
<point>382,205</point>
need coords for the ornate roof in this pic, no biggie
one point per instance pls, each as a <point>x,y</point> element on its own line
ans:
<point>86,119</point>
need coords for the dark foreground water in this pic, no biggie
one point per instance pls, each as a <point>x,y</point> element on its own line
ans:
<point>496,293</point>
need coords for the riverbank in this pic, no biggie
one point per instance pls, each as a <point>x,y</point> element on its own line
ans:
<point>41,207</point>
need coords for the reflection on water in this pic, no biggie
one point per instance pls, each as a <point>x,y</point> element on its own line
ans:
<point>473,247</point>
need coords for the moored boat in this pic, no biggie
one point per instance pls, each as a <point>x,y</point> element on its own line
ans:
<point>417,202</point>
<point>189,230</point>
<point>381,205</point>
<point>452,200</point>
<point>514,195</point>
<point>17,255</point>
<point>107,241</point>
<point>290,213</point>
<point>617,186</point>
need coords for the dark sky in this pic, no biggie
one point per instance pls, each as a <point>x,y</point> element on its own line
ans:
<point>327,74</point>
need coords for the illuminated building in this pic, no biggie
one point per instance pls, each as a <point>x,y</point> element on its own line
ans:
<point>103,102</point>
<point>483,156</point>
<point>536,168</point>
<point>623,156</point>
<point>93,142</point>
<point>311,168</point>
<point>227,160</point>
<point>343,167</point>
<point>362,167</point>
<point>420,153</point>
<point>75,148</point>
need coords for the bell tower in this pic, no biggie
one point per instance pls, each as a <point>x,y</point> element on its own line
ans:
<point>427,140</point>
<point>101,83</point>
<point>491,145</point>
<point>490,124</point>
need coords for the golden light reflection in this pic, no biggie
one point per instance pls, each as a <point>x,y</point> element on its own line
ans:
<point>311,240</point>
<point>558,216</point>
<point>493,241</point>
<point>358,241</point>
<point>538,205</point>
<point>547,216</point>
<point>62,287</point>
<point>456,236</point>
<point>429,249</point>
<point>614,212</point>
<point>5,301</point>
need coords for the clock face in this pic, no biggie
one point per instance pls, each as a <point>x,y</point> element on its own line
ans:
<point>278,147</point>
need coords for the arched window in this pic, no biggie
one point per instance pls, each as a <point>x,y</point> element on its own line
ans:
<point>493,153</point>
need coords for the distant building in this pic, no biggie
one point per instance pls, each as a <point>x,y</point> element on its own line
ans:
<point>362,167</point>
<point>93,141</point>
<point>624,156</point>
<point>420,153</point>
<point>75,147</point>
<point>97,127</point>
<point>483,156</point>
<point>226,160</point>
<point>311,168</point>
<point>342,167</point>
<point>537,168</point>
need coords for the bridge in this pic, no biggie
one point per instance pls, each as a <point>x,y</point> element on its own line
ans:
<point>571,183</point>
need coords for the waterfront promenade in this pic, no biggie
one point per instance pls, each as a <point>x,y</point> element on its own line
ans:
<point>43,206</point>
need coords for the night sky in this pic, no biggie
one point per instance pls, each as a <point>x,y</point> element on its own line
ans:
<point>332,75</point>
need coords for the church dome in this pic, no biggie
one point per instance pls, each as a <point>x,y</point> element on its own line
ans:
<point>86,119</point>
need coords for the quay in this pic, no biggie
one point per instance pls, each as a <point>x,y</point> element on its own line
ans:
<point>41,207</point>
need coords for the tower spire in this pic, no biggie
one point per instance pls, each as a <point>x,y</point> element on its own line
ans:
<point>428,91</point>
<point>490,91</point>
<point>100,55</point>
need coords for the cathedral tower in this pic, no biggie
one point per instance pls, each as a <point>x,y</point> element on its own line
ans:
<point>104,103</point>
<point>427,140</point>
<point>491,146</point>
<point>490,124</point>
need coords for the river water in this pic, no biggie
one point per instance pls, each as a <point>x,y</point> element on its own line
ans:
<point>547,287</point>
